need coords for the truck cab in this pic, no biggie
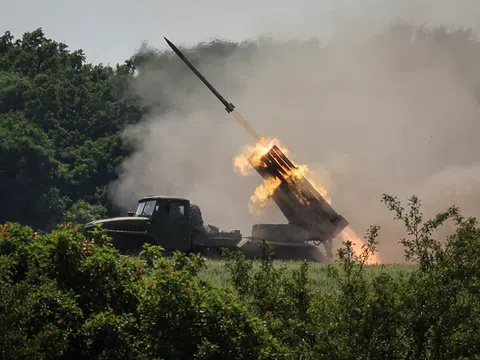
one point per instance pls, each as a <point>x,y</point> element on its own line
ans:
<point>169,221</point>
<point>157,220</point>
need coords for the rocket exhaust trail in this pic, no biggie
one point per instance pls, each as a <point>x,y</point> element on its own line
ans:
<point>246,125</point>
<point>229,107</point>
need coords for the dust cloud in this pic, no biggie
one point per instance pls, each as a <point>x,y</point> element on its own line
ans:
<point>398,115</point>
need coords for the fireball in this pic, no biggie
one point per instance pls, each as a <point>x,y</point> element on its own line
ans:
<point>262,193</point>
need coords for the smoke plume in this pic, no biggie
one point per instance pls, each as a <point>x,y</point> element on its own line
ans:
<point>368,115</point>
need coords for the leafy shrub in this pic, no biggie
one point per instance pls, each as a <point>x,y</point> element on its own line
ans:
<point>431,312</point>
<point>64,296</point>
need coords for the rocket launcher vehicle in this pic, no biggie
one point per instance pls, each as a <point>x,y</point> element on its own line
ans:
<point>310,217</point>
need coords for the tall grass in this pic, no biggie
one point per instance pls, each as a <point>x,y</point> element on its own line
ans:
<point>217,274</point>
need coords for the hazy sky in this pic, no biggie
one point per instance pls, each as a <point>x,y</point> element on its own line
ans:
<point>109,31</point>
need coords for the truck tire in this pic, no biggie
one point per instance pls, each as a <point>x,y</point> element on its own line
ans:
<point>196,215</point>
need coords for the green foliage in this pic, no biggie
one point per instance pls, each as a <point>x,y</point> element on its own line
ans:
<point>60,121</point>
<point>82,212</point>
<point>429,312</point>
<point>27,155</point>
<point>66,296</point>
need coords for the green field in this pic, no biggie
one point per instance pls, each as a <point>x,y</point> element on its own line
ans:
<point>216,273</point>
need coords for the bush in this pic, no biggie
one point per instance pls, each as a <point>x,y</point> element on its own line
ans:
<point>64,296</point>
<point>432,312</point>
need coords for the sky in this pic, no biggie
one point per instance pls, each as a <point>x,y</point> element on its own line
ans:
<point>109,31</point>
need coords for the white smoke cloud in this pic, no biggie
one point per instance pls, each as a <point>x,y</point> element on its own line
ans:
<point>400,117</point>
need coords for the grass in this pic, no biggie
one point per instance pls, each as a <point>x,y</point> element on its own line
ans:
<point>218,275</point>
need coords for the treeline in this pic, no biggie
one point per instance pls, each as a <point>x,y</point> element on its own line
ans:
<point>66,297</point>
<point>61,118</point>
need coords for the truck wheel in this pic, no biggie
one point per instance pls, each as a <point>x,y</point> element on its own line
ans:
<point>196,215</point>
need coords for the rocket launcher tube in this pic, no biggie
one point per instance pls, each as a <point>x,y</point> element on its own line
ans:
<point>297,198</point>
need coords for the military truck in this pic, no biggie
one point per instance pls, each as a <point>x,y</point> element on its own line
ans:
<point>176,224</point>
<point>172,222</point>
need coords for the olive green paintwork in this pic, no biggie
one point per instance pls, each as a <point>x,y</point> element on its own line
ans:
<point>175,224</point>
<point>159,197</point>
<point>164,221</point>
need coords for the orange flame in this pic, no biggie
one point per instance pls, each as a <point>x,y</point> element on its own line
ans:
<point>241,163</point>
<point>263,192</point>
<point>349,235</point>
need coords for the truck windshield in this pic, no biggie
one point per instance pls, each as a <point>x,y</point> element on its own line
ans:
<point>145,208</point>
